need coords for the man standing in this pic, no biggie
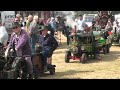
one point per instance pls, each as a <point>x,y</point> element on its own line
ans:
<point>116,28</point>
<point>109,26</point>
<point>34,32</point>
<point>20,39</point>
<point>30,19</point>
<point>17,19</point>
<point>18,16</point>
<point>49,44</point>
<point>67,33</point>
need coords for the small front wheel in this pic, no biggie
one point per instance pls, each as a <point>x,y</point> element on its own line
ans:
<point>83,58</point>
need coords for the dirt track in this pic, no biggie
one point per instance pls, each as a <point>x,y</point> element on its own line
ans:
<point>107,68</point>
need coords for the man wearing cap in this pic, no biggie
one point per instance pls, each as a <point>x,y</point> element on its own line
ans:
<point>20,39</point>
<point>49,44</point>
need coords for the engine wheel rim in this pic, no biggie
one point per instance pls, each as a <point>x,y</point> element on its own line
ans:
<point>6,54</point>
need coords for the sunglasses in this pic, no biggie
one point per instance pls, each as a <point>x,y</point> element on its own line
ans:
<point>14,27</point>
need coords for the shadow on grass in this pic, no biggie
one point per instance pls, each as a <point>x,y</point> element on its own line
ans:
<point>62,74</point>
<point>112,56</point>
<point>114,52</point>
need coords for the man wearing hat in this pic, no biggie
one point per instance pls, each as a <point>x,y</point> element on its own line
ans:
<point>49,44</point>
<point>20,39</point>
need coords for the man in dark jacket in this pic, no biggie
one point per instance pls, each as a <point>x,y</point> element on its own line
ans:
<point>20,40</point>
<point>48,43</point>
<point>67,33</point>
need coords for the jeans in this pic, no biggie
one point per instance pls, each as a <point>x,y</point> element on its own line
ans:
<point>33,41</point>
<point>46,53</point>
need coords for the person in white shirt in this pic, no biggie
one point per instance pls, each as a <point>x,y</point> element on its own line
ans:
<point>3,35</point>
<point>109,26</point>
<point>115,22</point>
<point>80,24</point>
<point>117,27</point>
